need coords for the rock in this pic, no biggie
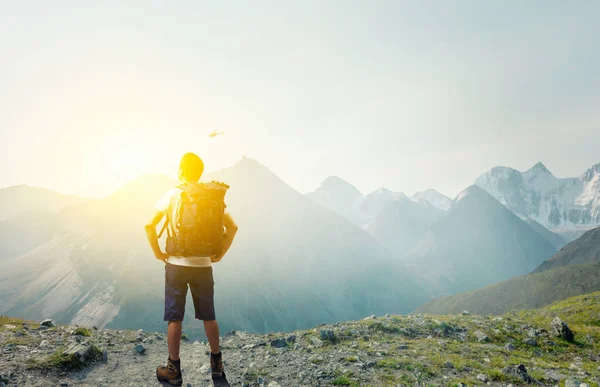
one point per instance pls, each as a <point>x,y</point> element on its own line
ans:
<point>518,372</point>
<point>371,317</point>
<point>273,384</point>
<point>481,337</point>
<point>560,328</point>
<point>82,353</point>
<point>139,349</point>
<point>572,383</point>
<point>105,356</point>
<point>483,378</point>
<point>370,364</point>
<point>205,369</point>
<point>530,341</point>
<point>64,384</point>
<point>401,347</point>
<point>260,380</point>
<point>278,343</point>
<point>229,334</point>
<point>448,365</point>
<point>327,335</point>
<point>315,341</point>
<point>465,313</point>
<point>47,323</point>
<point>291,339</point>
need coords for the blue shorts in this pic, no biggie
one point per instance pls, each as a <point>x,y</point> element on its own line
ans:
<point>201,284</point>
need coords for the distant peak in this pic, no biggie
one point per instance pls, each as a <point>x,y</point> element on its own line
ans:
<point>591,172</point>
<point>539,167</point>
<point>472,190</point>
<point>335,183</point>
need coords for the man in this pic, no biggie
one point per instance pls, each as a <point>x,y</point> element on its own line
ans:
<point>181,272</point>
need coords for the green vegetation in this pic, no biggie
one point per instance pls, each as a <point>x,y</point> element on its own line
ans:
<point>343,381</point>
<point>65,362</point>
<point>82,332</point>
<point>522,293</point>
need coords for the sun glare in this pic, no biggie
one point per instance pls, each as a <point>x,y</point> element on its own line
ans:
<point>120,158</point>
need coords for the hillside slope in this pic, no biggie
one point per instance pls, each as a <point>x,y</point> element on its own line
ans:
<point>516,349</point>
<point>586,249</point>
<point>403,222</point>
<point>555,239</point>
<point>525,292</point>
<point>20,199</point>
<point>478,242</point>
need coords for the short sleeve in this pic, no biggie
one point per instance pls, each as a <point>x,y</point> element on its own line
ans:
<point>164,202</point>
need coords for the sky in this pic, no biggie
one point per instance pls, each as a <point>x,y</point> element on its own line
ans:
<point>407,95</point>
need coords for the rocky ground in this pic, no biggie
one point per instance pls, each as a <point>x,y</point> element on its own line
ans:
<point>515,349</point>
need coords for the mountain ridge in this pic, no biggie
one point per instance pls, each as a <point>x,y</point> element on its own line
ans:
<point>539,195</point>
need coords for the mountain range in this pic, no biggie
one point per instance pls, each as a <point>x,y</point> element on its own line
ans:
<point>537,194</point>
<point>299,260</point>
<point>295,264</point>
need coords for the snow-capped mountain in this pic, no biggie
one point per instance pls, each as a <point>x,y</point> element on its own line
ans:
<point>537,194</point>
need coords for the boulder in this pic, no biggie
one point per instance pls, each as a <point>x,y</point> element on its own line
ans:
<point>82,353</point>
<point>278,343</point>
<point>327,335</point>
<point>530,341</point>
<point>47,323</point>
<point>315,341</point>
<point>560,328</point>
<point>519,372</point>
<point>481,337</point>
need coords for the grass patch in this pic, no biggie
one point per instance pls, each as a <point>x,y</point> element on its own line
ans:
<point>65,362</point>
<point>344,381</point>
<point>82,332</point>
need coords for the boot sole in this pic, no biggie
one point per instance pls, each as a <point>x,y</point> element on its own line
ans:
<point>171,382</point>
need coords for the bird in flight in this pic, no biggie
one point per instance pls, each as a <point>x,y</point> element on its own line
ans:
<point>214,134</point>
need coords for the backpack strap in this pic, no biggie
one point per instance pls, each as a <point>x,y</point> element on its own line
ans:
<point>164,227</point>
<point>168,225</point>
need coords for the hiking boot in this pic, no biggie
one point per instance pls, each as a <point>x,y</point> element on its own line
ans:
<point>216,366</point>
<point>170,373</point>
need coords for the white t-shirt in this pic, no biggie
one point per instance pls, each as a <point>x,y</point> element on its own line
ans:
<point>170,202</point>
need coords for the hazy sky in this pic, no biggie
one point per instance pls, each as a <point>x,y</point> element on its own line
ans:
<point>407,95</point>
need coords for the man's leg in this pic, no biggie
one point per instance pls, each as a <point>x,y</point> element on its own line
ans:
<point>174,339</point>
<point>212,333</point>
<point>175,292</point>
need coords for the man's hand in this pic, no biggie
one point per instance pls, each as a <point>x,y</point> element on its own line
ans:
<point>153,238</point>
<point>162,256</point>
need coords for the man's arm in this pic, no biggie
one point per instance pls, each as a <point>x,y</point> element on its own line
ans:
<point>231,229</point>
<point>153,237</point>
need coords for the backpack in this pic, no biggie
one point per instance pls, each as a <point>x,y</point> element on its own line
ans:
<point>199,220</point>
